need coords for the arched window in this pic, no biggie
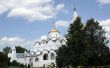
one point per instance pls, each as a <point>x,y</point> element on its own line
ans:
<point>36,59</point>
<point>45,57</point>
<point>52,56</point>
<point>30,59</point>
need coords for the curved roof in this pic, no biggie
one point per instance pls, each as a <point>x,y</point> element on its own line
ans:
<point>53,30</point>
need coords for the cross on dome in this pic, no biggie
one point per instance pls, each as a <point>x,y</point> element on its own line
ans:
<point>54,28</point>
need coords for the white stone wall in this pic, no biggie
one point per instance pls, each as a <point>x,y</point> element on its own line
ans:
<point>42,62</point>
<point>46,45</point>
<point>21,60</point>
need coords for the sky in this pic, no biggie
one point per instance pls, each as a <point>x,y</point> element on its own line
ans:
<point>22,22</point>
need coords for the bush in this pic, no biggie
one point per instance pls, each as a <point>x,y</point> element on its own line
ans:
<point>17,64</point>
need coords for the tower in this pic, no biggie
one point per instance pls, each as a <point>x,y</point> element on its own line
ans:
<point>13,54</point>
<point>75,15</point>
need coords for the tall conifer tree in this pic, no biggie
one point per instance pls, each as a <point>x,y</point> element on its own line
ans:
<point>85,46</point>
<point>75,43</point>
<point>96,43</point>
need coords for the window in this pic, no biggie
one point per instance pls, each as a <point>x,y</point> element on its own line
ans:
<point>52,56</point>
<point>30,59</point>
<point>45,57</point>
<point>36,59</point>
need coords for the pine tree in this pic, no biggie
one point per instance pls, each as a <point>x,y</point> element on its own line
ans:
<point>85,46</point>
<point>75,41</point>
<point>96,48</point>
<point>60,59</point>
<point>75,44</point>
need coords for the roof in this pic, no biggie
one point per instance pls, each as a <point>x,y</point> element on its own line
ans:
<point>20,55</point>
<point>53,30</point>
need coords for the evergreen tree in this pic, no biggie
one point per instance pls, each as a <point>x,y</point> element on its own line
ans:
<point>96,48</point>
<point>85,46</point>
<point>3,60</point>
<point>75,44</point>
<point>60,59</point>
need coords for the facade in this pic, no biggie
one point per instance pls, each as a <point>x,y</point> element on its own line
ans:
<point>43,52</point>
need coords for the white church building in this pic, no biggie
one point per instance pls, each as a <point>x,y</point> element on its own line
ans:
<point>43,52</point>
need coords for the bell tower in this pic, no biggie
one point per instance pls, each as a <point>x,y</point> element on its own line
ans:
<point>13,53</point>
<point>75,15</point>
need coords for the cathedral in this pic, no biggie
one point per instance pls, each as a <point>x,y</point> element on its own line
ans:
<point>43,52</point>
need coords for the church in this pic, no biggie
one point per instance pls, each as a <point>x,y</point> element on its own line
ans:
<point>43,52</point>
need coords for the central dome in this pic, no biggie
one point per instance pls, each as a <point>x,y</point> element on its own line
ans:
<point>53,34</point>
<point>54,30</point>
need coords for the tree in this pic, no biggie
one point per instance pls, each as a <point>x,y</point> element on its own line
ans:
<point>3,60</point>
<point>20,49</point>
<point>17,64</point>
<point>60,58</point>
<point>6,50</point>
<point>85,46</point>
<point>75,44</point>
<point>96,43</point>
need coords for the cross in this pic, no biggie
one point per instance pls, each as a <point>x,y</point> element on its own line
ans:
<point>74,5</point>
<point>54,26</point>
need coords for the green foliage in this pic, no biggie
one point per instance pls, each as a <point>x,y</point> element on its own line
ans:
<point>52,65</point>
<point>85,46</point>
<point>16,64</point>
<point>70,54</point>
<point>96,43</point>
<point>60,59</point>
<point>6,50</point>
<point>75,42</point>
<point>3,60</point>
<point>20,49</point>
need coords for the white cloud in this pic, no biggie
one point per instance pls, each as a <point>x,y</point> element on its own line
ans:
<point>105,22</point>
<point>62,23</point>
<point>108,35</point>
<point>15,41</point>
<point>30,9</point>
<point>106,26</point>
<point>60,6</point>
<point>10,40</point>
<point>3,9</point>
<point>102,2</point>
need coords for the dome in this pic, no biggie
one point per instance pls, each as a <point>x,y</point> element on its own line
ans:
<point>53,30</point>
<point>53,34</point>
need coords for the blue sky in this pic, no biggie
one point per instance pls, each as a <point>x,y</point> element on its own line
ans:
<point>24,21</point>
